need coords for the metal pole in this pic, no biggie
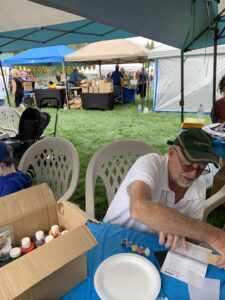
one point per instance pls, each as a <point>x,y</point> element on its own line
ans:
<point>64,74</point>
<point>7,94</point>
<point>148,86</point>
<point>214,72</point>
<point>100,71</point>
<point>182,85</point>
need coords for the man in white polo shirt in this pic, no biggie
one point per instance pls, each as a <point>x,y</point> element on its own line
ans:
<point>167,194</point>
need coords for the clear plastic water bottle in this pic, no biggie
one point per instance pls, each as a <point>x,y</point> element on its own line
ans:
<point>139,108</point>
<point>200,112</point>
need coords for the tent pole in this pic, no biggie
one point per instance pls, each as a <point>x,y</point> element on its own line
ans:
<point>182,86</point>
<point>213,117</point>
<point>100,71</point>
<point>64,74</point>
<point>7,94</point>
<point>148,86</point>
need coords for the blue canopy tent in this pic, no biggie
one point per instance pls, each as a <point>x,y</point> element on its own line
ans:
<point>44,56</point>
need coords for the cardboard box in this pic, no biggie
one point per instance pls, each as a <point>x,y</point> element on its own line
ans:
<point>193,123</point>
<point>55,268</point>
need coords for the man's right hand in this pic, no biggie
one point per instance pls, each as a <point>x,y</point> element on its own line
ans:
<point>171,241</point>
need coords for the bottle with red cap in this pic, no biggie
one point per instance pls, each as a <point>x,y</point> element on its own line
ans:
<point>26,245</point>
<point>54,231</point>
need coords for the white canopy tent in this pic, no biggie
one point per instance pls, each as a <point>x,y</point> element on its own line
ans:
<point>198,78</point>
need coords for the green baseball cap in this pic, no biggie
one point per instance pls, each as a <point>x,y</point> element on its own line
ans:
<point>196,146</point>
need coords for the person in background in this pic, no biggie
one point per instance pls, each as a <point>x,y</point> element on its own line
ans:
<point>51,85</point>
<point>142,84</point>
<point>166,195</point>
<point>151,79</point>
<point>2,89</point>
<point>218,115</point>
<point>59,81</point>
<point>74,79</point>
<point>116,76</point>
<point>17,88</point>
<point>11,180</point>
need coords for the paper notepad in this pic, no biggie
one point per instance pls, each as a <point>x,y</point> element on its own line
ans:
<point>187,265</point>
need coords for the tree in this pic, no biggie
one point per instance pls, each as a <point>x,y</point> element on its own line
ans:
<point>150,46</point>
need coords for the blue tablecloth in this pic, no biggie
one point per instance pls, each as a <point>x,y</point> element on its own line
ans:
<point>109,243</point>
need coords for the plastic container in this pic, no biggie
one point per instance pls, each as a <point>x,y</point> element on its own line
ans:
<point>200,112</point>
<point>15,253</point>
<point>39,239</point>
<point>5,256</point>
<point>139,108</point>
<point>54,231</point>
<point>26,245</point>
<point>48,238</point>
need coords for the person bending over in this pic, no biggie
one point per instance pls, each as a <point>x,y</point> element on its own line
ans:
<point>11,180</point>
<point>166,194</point>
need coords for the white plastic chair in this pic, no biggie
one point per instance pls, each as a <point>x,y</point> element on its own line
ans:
<point>55,161</point>
<point>213,202</point>
<point>9,120</point>
<point>111,163</point>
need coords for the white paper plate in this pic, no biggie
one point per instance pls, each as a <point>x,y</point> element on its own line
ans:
<point>127,276</point>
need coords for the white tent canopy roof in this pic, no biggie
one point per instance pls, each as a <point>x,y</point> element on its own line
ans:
<point>31,15</point>
<point>113,51</point>
<point>164,51</point>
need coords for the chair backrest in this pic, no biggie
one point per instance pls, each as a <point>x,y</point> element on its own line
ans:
<point>54,161</point>
<point>9,120</point>
<point>213,202</point>
<point>111,163</point>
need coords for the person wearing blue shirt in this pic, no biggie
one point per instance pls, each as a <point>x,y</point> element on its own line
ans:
<point>116,76</point>
<point>74,80</point>
<point>11,180</point>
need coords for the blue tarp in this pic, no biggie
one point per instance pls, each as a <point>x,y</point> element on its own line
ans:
<point>46,56</point>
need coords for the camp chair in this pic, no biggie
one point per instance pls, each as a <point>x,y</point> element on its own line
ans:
<point>9,120</point>
<point>54,161</point>
<point>111,163</point>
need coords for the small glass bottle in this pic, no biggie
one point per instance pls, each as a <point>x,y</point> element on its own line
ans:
<point>39,239</point>
<point>5,256</point>
<point>54,231</point>
<point>26,245</point>
<point>48,238</point>
<point>15,253</point>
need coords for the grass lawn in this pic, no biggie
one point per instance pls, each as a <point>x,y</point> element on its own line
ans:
<point>89,130</point>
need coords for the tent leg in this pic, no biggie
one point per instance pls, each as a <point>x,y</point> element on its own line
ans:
<point>7,94</point>
<point>148,87</point>
<point>213,117</point>
<point>182,86</point>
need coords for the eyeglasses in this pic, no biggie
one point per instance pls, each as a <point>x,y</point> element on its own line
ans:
<point>202,168</point>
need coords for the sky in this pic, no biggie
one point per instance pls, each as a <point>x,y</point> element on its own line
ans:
<point>142,41</point>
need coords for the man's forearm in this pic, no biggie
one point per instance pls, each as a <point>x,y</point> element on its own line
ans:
<point>169,220</point>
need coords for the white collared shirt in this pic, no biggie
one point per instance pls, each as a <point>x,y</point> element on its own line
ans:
<point>152,169</point>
